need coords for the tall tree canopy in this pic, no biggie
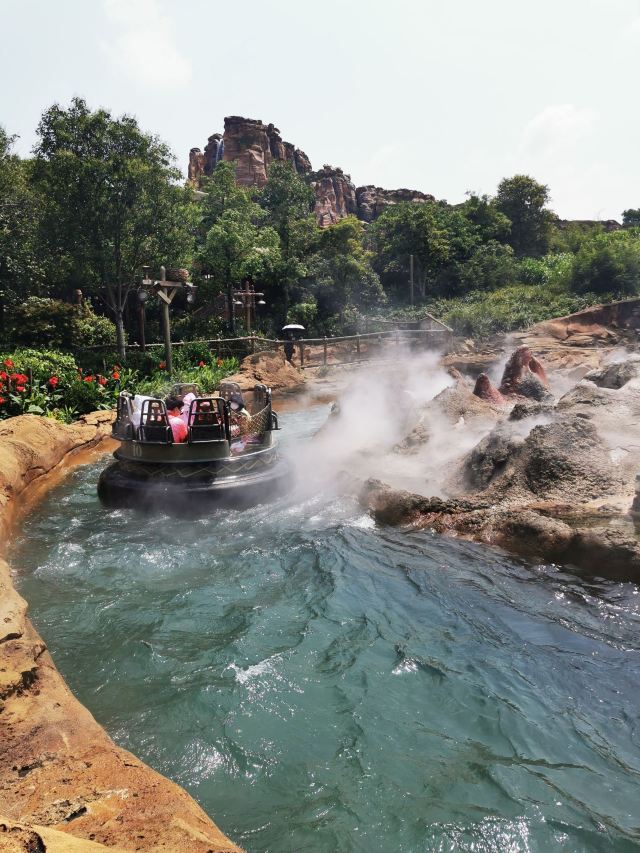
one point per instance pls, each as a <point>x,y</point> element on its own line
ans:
<point>111,202</point>
<point>524,202</point>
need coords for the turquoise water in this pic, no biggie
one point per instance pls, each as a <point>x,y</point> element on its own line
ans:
<point>322,685</point>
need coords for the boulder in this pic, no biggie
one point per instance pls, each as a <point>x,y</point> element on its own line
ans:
<point>617,374</point>
<point>268,368</point>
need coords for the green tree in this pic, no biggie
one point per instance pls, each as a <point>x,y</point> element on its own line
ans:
<point>340,271</point>
<point>631,217</point>
<point>523,201</point>
<point>436,234</point>
<point>490,223</point>
<point>609,264</point>
<point>288,201</point>
<point>111,203</point>
<point>236,247</point>
<point>21,269</point>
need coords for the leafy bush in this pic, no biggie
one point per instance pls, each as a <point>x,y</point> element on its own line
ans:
<point>50,383</point>
<point>53,323</point>
<point>481,314</point>
<point>611,262</point>
<point>207,377</point>
<point>549,269</point>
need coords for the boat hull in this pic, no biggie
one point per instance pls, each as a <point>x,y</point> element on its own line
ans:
<point>239,482</point>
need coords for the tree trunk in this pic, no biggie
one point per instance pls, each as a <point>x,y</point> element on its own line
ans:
<point>120,337</point>
<point>232,308</point>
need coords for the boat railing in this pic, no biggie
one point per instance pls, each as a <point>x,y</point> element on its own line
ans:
<point>208,420</point>
<point>154,423</point>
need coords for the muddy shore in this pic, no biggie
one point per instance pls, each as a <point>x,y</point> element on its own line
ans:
<point>64,784</point>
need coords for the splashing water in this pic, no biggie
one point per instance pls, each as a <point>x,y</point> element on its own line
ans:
<point>322,685</point>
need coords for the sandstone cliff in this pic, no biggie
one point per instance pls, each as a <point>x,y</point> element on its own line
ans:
<point>253,146</point>
<point>61,776</point>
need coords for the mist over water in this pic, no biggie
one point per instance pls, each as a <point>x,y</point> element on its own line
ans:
<point>322,685</point>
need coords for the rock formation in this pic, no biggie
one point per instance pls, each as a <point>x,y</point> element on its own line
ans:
<point>253,146</point>
<point>524,376</point>
<point>372,201</point>
<point>486,391</point>
<point>335,195</point>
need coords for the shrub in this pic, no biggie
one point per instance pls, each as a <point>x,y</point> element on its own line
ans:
<point>611,262</point>
<point>53,323</point>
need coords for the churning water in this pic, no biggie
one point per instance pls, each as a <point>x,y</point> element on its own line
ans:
<point>322,685</point>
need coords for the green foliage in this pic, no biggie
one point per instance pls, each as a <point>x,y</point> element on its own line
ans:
<point>207,377</point>
<point>490,266</point>
<point>610,262</point>
<point>436,234</point>
<point>305,313</point>
<point>523,201</point>
<point>631,217</point>
<point>53,323</point>
<point>550,269</point>
<point>21,267</point>
<point>340,274</point>
<point>47,382</point>
<point>490,223</point>
<point>481,314</point>
<point>110,202</point>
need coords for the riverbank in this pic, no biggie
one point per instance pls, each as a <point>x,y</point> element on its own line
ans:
<point>59,770</point>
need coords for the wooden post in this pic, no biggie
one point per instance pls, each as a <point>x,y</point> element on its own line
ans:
<point>411,279</point>
<point>253,345</point>
<point>324,355</point>
<point>358,347</point>
<point>301,353</point>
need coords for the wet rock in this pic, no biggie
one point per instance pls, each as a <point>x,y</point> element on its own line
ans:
<point>530,409</point>
<point>524,376</point>
<point>489,458</point>
<point>616,375</point>
<point>414,440</point>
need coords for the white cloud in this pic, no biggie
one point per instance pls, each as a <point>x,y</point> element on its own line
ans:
<point>556,131</point>
<point>144,47</point>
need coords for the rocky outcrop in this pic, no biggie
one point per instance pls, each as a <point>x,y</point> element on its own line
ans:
<point>253,146</point>
<point>372,201</point>
<point>335,195</point>
<point>268,368</point>
<point>61,776</point>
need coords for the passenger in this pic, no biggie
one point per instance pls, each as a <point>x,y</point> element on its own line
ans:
<point>178,426</point>
<point>240,417</point>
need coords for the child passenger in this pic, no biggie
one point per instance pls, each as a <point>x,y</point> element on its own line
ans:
<point>178,426</point>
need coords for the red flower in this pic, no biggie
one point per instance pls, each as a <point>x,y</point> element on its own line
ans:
<point>162,365</point>
<point>88,378</point>
<point>2,400</point>
<point>7,362</point>
<point>201,364</point>
<point>3,375</point>
<point>115,375</point>
<point>220,362</point>
<point>102,380</point>
<point>53,382</point>
<point>21,389</point>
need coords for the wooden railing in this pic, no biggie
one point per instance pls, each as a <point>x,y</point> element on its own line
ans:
<point>317,352</point>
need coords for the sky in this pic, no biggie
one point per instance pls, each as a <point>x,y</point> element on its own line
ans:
<point>442,96</point>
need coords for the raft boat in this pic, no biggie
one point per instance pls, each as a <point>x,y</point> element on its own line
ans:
<point>225,460</point>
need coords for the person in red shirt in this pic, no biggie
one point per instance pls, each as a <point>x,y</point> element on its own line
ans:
<point>178,426</point>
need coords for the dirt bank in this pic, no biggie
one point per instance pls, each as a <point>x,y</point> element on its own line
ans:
<point>64,785</point>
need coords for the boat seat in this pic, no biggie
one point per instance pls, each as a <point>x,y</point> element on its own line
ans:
<point>206,420</point>
<point>154,423</point>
